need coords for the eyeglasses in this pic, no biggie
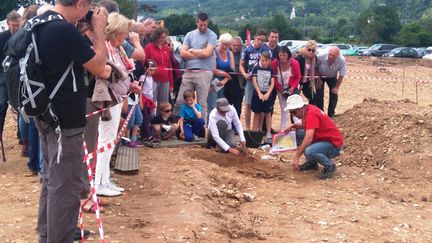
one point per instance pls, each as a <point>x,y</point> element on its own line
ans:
<point>167,111</point>
<point>293,111</point>
<point>311,50</point>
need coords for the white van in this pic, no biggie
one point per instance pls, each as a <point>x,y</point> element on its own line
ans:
<point>291,43</point>
<point>428,53</point>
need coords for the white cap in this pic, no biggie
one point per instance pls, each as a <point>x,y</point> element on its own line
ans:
<point>293,102</point>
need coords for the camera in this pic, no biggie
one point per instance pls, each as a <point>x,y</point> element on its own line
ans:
<point>88,17</point>
<point>286,92</point>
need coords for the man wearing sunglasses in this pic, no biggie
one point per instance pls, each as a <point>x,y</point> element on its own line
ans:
<point>317,136</point>
<point>331,70</point>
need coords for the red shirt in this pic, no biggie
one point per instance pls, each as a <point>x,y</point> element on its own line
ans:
<point>294,80</point>
<point>325,129</point>
<point>163,61</point>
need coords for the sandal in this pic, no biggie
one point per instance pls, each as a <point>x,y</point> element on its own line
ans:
<point>102,202</point>
<point>90,208</point>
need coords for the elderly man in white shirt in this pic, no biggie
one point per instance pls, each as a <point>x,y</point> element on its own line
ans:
<point>221,133</point>
<point>331,70</point>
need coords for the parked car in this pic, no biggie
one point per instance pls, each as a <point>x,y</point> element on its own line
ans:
<point>290,43</point>
<point>421,51</point>
<point>361,50</point>
<point>428,53</point>
<point>402,52</point>
<point>378,50</point>
<point>345,49</point>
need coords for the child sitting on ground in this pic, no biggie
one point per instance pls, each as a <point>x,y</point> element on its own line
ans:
<point>262,104</point>
<point>163,125</point>
<point>191,122</point>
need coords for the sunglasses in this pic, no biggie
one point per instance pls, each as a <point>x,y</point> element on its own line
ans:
<point>311,50</point>
<point>166,111</point>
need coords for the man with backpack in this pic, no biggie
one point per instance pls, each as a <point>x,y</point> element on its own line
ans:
<point>13,22</point>
<point>63,54</point>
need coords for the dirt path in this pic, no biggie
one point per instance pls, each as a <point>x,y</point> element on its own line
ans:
<point>381,192</point>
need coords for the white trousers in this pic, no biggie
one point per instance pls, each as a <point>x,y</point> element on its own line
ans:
<point>107,134</point>
<point>284,114</point>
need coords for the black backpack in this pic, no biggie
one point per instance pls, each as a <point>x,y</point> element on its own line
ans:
<point>24,77</point>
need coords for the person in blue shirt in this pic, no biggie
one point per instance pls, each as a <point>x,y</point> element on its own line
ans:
<point>250,59</point>
<point>191,122</point>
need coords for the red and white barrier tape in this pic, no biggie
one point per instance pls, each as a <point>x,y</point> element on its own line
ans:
<point>113,143</point>
<point>374,78</point>
<point>87,157</point>
<point>423,81</point>
<point>93,197</point>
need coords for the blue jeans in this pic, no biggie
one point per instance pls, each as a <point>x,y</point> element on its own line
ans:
<point>319,152</point>
<point>196,127</point>
<point>34,147</point>
<point>3,101</point>
<point>136,117</point>
<point>24,128</point>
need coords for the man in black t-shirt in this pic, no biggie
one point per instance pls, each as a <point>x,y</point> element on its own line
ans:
<point>59,44</point>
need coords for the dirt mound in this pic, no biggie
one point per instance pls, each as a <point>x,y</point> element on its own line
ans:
<point>381,134</point>
<point>388,61</point>
<point>250,165</point>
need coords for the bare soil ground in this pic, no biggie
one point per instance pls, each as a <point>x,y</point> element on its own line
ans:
<point>380,193</point>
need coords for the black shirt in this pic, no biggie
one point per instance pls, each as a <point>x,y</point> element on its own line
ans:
<point>4,37</point>
<point>159,120</point>
<point>59,44</point>
<point>274,52</point>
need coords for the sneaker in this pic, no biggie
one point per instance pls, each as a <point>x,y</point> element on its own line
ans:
<point>309,166</point>
<point>136,144</point>
<point>328,173</point>
<point>114,187</point>
<point>77,236</point>
<point>106,191</point>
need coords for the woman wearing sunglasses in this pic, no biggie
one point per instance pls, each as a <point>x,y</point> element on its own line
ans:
<point>308,59</point>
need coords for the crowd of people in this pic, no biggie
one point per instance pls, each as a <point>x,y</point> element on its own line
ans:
<point>121,66</point>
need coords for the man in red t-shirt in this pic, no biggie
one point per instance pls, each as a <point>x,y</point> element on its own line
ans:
<point>320,139</point>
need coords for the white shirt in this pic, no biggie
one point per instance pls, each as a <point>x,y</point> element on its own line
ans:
<point>230,117</point>
<point>147,86</point>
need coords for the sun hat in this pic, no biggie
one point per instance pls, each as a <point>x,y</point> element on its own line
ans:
<point>222,104</point>
<point>293,102</point>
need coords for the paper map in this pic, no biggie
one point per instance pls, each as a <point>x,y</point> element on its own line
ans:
<point>284,142</point>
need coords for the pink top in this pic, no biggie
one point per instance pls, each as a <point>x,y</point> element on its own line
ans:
<point>294,80</point>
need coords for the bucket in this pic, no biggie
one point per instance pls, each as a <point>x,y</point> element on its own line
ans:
<point>253,138</point>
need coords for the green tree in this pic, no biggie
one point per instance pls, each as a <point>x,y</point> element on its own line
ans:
<point>5,7</point>
<point>242,31</point>
<point>380,23</point>
<point>286,31</point>
<point>183,23</point>
<point>179,24</point>
<point>408,35</point>
<point>127,8</point>
<point>414,35</point>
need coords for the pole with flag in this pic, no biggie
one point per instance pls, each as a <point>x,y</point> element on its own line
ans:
<point>248,37</point>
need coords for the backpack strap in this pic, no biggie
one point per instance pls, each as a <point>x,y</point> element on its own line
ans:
<point>62,79</point>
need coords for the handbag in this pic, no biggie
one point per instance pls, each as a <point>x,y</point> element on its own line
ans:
<point>253,138</point>
<point>287,92</point>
